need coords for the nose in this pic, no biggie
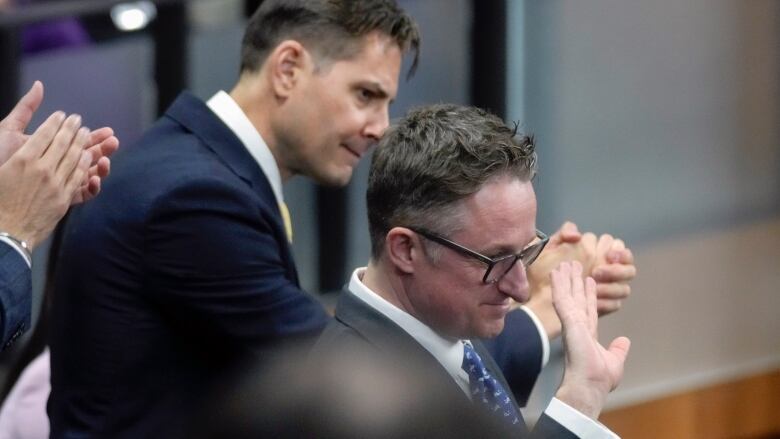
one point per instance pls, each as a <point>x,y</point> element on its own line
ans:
<point>515,283</point>
<point>377,124</point>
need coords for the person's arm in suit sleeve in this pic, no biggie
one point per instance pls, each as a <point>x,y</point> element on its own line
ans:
<point>15,294</point>
<point>520,351</point>
<point>217,262</point>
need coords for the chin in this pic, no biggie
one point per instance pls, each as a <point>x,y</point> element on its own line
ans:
<point>334,179</point>
<point>491,330</point>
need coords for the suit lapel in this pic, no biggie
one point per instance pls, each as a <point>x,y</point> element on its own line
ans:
<point>388,337</point>
<point>194,115</point>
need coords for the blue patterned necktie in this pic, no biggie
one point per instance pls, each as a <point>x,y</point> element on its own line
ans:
<point>487,391</point>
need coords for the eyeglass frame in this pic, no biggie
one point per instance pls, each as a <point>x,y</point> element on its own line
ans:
<point>490,262</point>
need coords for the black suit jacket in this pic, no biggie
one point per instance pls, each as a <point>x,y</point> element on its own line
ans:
<point>15,295</point>
<point>177,271</point>
<point>360,328</point>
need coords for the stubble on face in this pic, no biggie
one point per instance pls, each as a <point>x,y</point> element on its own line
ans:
<point>341,111</point>
<point>452,299</point>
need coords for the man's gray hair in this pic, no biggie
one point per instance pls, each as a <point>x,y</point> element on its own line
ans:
<point>434,157</point>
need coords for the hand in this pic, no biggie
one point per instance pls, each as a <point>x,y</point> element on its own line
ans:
<point>613,270</point>
<point>567,244</point>
<point>591,371</point>
<point>102,143</point>
<point>38,182</point>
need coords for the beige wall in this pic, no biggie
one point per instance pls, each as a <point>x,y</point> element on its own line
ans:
<point>705,309</point>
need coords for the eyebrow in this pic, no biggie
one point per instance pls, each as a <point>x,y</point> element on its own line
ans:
<point>377,89</point>
<point>499,250</point>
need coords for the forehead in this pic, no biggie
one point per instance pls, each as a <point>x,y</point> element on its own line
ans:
<point>377,60</point>
<point>501,214</point>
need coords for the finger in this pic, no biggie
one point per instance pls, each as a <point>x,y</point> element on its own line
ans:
<point>577,286</point>
<point>604,245</point>
<point>103,142</point>
<point>621,256</point>
<point>613,291</point>
<point>62,142</point>
<point>589,242</point>
<point>74,156</point>
<point>592,302</point>
<point>76,177</point>
<point>109,146</point>
<point>43,136</point>
<point>608,306</point>
<point>102,168</point>
<point>104,149</point>
<point>88,190</point>
<point>569,232</point>
<point>614,273</point>
<point>18,119</point>
<point>99,135</point>
<point>93,187</point>
<point>561,290</point>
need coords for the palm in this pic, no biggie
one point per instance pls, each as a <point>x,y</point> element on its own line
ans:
<point>592,371</point>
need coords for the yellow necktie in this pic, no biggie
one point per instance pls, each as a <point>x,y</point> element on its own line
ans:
<point>286,218</point>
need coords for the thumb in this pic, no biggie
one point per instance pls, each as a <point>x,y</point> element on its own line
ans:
<point>568,233</point>
<point>620,347</point>
<point>18,119</point>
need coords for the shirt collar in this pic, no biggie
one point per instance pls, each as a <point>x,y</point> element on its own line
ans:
<point>447,352</point>
<point>228,111</point>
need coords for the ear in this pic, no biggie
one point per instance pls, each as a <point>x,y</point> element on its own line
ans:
<point>403,249</point>
<point>288,61</point>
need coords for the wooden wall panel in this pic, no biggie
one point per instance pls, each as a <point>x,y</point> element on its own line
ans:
<point>747,408</point>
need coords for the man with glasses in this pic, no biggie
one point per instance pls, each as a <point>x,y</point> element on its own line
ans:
<point>452,217</point>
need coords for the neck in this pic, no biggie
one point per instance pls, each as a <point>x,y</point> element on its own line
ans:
<point>387,285</point>
<point>256,104</point>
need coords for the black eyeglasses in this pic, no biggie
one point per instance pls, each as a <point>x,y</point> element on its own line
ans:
<point>496,267</point>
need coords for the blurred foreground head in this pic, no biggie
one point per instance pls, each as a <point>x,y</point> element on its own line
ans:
<point>340,395</point>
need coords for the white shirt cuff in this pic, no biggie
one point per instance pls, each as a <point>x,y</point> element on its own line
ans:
<point>542,335</point>
<point>18,249</point>
<point>579,424</point>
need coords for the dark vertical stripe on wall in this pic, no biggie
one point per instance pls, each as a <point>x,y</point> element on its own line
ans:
<point>488,55</point>
<point>332,230</point>
<point>170,55</point>
<point>10,53</point>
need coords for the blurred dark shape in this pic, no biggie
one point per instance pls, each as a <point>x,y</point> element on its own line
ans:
<point>352,394</point>
<point>52,35</point>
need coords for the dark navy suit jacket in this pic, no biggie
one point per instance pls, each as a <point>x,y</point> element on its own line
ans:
<point>15,295</point>
<point>360,328</point>
<point>178,270</point>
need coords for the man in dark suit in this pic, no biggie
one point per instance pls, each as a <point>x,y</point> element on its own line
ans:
<point>183,266</point>
<point>452,217</point>
<point>41,175</point>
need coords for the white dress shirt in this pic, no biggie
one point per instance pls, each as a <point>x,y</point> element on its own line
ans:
<point>449,353</point>
<point>228,111</point>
